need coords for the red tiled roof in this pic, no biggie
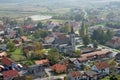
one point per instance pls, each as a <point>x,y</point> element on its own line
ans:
<point>42,62</point>
<point>24,38</point>
<point>10,74</point>
<point>28,26</point>
<point>102,52</point>
<point>6,61</point>
<point>102,65</point>
<point>48,37</point>
<point>115,40</point>
<point>58,68</point>
<point>83,59</point>
<point>75,74</point>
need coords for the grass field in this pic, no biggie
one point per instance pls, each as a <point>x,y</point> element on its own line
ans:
<point>15,10</point>
<point>17,55</point>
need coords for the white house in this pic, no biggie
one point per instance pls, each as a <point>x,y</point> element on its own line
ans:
<point>76,62</point>
<point>79,61</point>
<point>101,67</point>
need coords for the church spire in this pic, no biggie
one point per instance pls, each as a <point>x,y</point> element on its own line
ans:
<point>72,30</point>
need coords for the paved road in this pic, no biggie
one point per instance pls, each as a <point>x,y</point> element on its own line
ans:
<point>112,49</point>
<point>47,70</point>
<point>51,77</point>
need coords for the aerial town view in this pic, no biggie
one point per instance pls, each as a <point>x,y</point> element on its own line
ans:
<point>59,39</point>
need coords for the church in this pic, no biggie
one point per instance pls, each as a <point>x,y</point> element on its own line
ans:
<point>65,43</point>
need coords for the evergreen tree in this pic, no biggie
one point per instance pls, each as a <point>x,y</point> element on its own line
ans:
<point>110,34</point>
<point>40,25</point>
<point>102,36</point>
<point>95,44</point>
<point>84,30</point>
<point>53,55</point>
<point>86,40</point>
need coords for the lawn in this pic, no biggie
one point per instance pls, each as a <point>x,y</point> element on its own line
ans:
<point>17,55</point>
<point>18,51</point>
<point>106,78</point>
<point>18,58</point>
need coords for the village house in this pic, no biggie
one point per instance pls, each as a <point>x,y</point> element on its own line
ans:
<point>70,65</point>
<point>36,71</point>
<point>50,25</point>
<point>59,68</point>
<point>117,57</point>
<point>1,22</point>
<point>17,42</point>
<point>92,75</point>
<point>12,34</point>
<point>29,27</point>
<point>79,61</point>
<point>3,48</point>
<point>76,75</point>
<point>88,57</point>
<point>65,43</point>
<point>101,68</point>
<point>3,54</point>
<point>44,62</point>
<point>2,32</point>
<point>1,39</point>
<point>114,43</point>
<point>25,39</point>
<point>49,39</point>
<point>9,75</point>
<point>118,68</point>
<point>9,64</point>
<point>75,62</point>
<point>96,55</point>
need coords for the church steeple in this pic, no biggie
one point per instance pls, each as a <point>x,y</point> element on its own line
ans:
<point>72,30</point>
<point>72,37</point>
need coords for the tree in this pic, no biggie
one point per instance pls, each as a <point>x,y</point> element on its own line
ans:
<point>95,44</point>
<point>66,78</point>
<point>13,22</point>
<point>112,63</point>
<point>28,21</point>
<point>86,40</point>
<point>53,55</point>
<point>40,25</point>
<point>84,30</point>
<point>11,46</point>
<point>41,33</point>
<point>40,53</point>
<point>6,20</point>
<point>38,45</point>
<point>109,34</point>
<point>1,26</point>
<point>113,77</point>
<point>101,35</point>
<point>20,31</point>
<point>77,53</point>
<point>65,28</point>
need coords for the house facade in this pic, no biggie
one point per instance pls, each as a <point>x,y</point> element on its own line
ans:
<point>36,70</point>
<point>101,68</point>
<point>114,43</point>
<point>76,75</point>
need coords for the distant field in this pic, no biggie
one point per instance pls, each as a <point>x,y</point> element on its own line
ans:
<point>18,10</point>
